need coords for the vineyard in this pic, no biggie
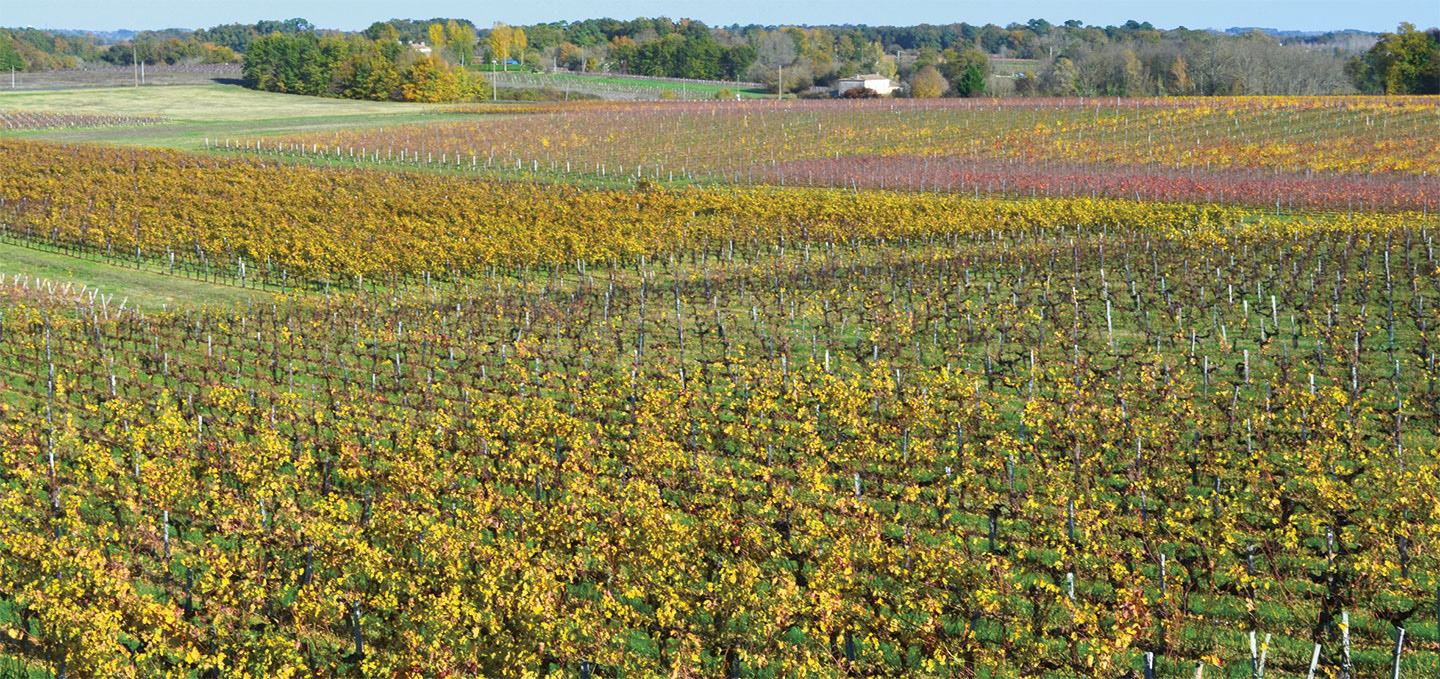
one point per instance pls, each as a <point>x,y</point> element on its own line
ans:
<point>1296,152</point>
<point>30,120</point>
<point>625,88</point>
<point>265,223</point>
<point>747,420</point>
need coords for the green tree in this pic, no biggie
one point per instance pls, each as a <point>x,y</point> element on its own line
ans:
<point>736,61</point>
<point>371,73</point>
<point>966,70</point>
<point>382,30</point>
<point>972,84</point>
<point>460,40</point>
<point>928,56</point>
<point>1404,62</point>
<point>9,56</point>
<point>286,62</point>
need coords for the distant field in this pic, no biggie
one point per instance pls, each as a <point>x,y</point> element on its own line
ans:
<point>210,103</point>
<point>1280,152</point>
<point>125,76</point>
<point>204,111</point>
<point>1012,66</point>
<point>662,84</point>
<point>619,87</point>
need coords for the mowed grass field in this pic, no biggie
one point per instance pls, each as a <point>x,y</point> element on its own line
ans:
<point>197,112</point>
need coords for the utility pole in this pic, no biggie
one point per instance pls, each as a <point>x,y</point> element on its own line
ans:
<point>142,73</point>
<point>12,76</point>
<point>780,84</point>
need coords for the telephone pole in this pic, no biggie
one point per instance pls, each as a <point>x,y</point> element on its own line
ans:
<point>780,84</point>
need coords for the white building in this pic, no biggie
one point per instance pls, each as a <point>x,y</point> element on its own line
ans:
<point>871,81</point>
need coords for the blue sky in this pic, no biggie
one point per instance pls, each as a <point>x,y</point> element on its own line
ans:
<point>1373,15</point>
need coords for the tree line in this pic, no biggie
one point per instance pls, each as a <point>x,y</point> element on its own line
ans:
<point>29,49</point>
<point>1031,58</point>
<point>1175,63</point>
<point>355,67</point>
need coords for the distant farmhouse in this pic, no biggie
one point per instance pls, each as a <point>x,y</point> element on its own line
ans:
<point>871,81</point>
<point>421,48</point>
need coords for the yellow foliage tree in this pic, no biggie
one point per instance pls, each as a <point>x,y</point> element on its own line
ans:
<point>437,37</point>
<point>928,83</point>
<point>501,39</point>
<point>518,42</point>
<point>430,80</point>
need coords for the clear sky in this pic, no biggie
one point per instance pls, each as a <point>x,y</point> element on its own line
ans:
<point>1374,15</point>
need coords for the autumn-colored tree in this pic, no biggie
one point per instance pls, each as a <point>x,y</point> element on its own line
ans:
<point>569,56</point>
<point>1059,79</point>
<point>430,80</point>
<point>1179,80</point>
<point>1026,83</point>
<point>501,40</point>
<point>928,83</point>
<point>437,37</point>
<point>470,86</point>
<point>623,51</point>
<point>518,42</point>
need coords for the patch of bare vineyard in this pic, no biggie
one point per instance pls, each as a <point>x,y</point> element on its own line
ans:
<point>31,120</point>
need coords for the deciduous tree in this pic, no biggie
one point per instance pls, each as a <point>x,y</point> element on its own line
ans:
<point>928,83</point>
